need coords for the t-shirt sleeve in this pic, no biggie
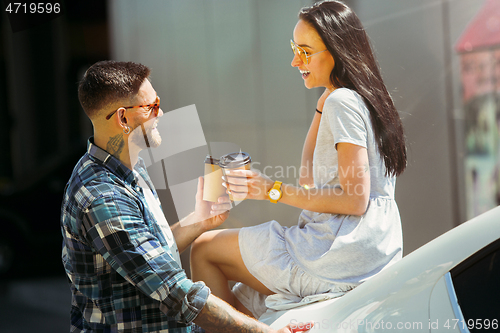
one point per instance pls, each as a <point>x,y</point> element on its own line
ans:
<point>344,115</point>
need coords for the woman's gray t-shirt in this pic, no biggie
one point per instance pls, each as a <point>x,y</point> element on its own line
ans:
<point>347,249</point>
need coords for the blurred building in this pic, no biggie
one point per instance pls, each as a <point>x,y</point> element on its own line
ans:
<point>479,50</point>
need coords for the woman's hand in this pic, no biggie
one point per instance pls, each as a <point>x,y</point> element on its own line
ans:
<point>210,214</point>
<point>247,184</point>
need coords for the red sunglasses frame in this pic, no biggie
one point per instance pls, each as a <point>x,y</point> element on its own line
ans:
<point>155,107</point>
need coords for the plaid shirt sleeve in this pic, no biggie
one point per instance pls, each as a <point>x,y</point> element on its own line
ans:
<point>114,226</point>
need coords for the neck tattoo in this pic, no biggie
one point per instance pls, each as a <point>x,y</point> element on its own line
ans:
<point>115,145</point>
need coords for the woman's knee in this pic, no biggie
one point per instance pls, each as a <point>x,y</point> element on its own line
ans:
<point>199,246</point>
<point>215,246</point>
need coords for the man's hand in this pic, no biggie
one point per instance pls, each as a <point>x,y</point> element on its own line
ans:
<point>210,214</point>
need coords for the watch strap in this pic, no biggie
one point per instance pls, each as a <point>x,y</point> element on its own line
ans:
<point>276,186</point>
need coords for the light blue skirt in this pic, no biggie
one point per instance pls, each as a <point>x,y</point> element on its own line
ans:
<point>264,252</point>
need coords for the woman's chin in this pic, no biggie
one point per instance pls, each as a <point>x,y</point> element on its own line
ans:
<point>311,86</point>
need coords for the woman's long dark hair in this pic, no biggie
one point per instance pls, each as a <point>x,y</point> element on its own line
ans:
<point>355,68</point>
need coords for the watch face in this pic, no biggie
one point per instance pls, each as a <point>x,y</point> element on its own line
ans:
<point>274,194</point>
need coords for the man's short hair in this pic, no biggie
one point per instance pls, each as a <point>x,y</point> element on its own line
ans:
<point>106,82</point>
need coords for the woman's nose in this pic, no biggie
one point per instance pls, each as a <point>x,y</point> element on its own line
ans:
<point>296,62</point>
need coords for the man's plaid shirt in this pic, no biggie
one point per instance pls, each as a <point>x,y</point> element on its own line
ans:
<point>122,274</point>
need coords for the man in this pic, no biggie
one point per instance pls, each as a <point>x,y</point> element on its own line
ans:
<point>120,255</point>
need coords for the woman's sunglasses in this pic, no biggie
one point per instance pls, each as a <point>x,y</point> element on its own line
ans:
<point>304,57</point>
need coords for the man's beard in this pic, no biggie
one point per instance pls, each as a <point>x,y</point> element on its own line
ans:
<point>146,135</point>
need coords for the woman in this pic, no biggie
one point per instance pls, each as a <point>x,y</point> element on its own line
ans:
<point>350,228</point>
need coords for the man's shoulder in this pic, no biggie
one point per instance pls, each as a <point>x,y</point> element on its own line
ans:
<point>91,180</point>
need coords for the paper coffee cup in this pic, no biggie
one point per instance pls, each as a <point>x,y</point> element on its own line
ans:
<point>212,185</point>
<point>235,161</point>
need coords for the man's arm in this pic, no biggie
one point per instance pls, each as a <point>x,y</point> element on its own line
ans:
<point>218,316</point>
<point>206,216</point>
<point>186,233</point>
<point>114,227</point>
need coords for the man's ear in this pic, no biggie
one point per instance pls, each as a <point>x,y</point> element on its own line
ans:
<point>122,118</point>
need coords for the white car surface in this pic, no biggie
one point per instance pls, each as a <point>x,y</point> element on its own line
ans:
<point>451,284</point>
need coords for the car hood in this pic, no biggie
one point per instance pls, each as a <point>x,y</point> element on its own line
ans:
<point>401,292</point>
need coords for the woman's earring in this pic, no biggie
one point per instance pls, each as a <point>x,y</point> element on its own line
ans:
<point>126,130</point>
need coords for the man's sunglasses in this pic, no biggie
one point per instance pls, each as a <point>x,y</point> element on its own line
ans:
<point>155,107</point>
<point>304,57</point>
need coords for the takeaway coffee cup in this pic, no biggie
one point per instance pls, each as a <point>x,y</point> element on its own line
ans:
<point>212,185</point>
<point>239,160</point>
<point>233,161</point>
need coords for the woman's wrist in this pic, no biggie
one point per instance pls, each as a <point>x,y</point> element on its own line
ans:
<point>318,111</point>
<point>267,189</point>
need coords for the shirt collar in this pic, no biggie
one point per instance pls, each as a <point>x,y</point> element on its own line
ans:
<point>110,162</point>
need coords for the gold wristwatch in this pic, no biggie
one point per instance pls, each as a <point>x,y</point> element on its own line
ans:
<point>275,193</point>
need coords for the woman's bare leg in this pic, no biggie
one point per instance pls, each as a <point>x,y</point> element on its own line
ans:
<point>241,308</point>
<point>216,260</point>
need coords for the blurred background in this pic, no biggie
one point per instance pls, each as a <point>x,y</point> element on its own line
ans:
<point>440,60</point>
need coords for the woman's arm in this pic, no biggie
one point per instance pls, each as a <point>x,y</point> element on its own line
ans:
<point>306,167</point>
<point>351,198</point>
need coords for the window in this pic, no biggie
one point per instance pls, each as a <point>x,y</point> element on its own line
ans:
<point>477,285</point>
